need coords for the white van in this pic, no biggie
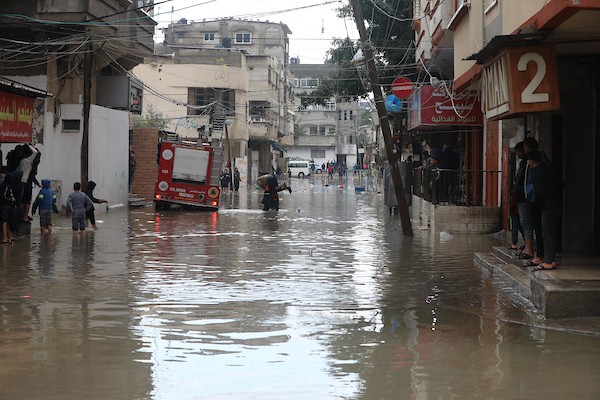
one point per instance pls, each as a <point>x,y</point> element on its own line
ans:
<point>299,168</point>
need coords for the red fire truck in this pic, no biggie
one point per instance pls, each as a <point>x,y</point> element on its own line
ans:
<point>188,175</point>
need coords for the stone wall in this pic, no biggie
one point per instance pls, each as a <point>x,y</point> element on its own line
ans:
<point>144,143</point>
<point>455,219</point>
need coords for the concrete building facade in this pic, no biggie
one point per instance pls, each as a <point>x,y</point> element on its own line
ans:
<point>81,130</point>
<point>535,65</point>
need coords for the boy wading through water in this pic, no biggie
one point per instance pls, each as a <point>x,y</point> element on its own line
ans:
<point>89,191</point>
<point>77,204</point>
<point>46,202</point>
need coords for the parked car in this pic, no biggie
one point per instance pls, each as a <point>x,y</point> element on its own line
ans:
<point>299,168</point>
<point>316,168</point>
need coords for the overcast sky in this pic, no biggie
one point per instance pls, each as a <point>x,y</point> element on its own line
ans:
<point>312,28</point>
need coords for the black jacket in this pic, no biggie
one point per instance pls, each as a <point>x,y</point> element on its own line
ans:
<point>547,186</point>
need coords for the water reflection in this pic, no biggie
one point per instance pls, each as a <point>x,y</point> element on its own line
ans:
<point>324,299</point>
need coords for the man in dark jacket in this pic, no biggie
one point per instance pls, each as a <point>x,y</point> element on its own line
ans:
<point>7,206</point>
<point>547,187</point>
<point>89,190</point>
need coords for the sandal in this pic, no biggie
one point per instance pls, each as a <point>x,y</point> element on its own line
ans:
<point>541,267</point>
<point>524,256</point>
<point>6,242</point>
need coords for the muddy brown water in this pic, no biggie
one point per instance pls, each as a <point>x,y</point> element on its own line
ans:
<point>323,300</point>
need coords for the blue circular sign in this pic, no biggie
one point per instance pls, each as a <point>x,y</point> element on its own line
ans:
<point>393,104</point>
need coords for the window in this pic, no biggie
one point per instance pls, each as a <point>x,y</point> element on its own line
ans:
<point>258,111</point>
<point>317,154</point>
<point>345,115</point>
<point>180,34</point>
<point>296,82</point>
<point>330,105</point>
<point>322,130</point>
<point>309,82</point>
<point>243,37</point>
<point>313,130</point>
<point>71,125</point>
<point>209,37</point>
<point>489,4</point>
<point>350,115</point>
<point>339,115</point>
<point>206,96</point>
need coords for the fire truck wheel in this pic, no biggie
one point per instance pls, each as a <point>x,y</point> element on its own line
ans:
<point>160,206</point>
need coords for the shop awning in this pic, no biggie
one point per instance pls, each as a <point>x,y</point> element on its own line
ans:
<point>498,43</point>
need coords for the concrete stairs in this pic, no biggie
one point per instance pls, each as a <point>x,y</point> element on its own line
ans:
<point>571,291</point>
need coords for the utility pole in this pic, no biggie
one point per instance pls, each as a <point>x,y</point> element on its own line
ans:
<point>87,100</point>
<point>383,118</point>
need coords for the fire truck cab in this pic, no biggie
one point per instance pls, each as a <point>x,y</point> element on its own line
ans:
<point>188,175</point>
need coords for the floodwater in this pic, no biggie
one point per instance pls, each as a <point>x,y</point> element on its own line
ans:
<point>324,299</point>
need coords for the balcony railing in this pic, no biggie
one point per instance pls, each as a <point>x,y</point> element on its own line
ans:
<point>451,186</point>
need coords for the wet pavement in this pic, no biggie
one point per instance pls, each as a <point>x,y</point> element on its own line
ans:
<point>324,299</point>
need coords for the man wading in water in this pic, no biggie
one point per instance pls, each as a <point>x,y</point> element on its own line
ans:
<point>272,188</point>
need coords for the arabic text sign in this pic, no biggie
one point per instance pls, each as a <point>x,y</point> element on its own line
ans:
<point>16,118</point>
<point>437,106</point>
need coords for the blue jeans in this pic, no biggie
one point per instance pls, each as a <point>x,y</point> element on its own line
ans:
<point>515,228</point>
<point>526,219</point>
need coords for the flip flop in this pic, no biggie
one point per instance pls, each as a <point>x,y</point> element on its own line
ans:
<point>542,268</point>
<point>524,256</point>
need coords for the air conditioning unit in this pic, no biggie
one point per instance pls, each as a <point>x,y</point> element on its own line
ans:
<point>120,92</point>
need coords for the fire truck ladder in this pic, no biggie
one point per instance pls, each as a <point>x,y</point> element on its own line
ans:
<point>217,164</point>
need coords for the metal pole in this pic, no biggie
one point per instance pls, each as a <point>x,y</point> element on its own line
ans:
<point>87,99</point>
<point>230,163</point>
<point>383,118</point>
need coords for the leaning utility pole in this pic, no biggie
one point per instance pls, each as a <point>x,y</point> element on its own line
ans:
<point>87,100</point>
<point>383,117</point>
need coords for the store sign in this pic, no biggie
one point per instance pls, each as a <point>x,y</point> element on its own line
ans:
<point>521,80</point>
<point>16,118</point>
<point>441,106</point>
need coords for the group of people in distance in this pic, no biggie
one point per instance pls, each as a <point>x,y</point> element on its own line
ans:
<point>535,206</point>
<point>225,179</point>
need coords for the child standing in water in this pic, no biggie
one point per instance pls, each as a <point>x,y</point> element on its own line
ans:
<point>78,203</point>
<point>89,191</point>
<point>46,202</point>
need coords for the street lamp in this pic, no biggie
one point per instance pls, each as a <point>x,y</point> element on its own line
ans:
<point>360,62</point>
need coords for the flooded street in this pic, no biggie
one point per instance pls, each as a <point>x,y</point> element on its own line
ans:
<point>324,299</point>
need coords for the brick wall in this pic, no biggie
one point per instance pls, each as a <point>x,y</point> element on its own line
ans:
<point>144,144</point>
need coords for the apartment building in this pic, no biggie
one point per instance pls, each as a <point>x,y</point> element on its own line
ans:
<point>265,46</point>
<point>316,125</point>
<point>535,65</point>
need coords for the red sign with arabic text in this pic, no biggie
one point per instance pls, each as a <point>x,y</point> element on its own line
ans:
<point>16,118</point>
<point>440,106</point>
